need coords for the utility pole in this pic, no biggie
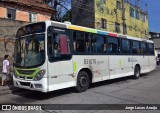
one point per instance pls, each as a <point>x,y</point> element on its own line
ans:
<point>123,18</point>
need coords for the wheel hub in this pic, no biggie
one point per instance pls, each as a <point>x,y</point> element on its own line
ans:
<point>83,81</point>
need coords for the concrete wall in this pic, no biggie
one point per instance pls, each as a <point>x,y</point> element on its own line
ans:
<point>83,13</point>
<point>8,29</point>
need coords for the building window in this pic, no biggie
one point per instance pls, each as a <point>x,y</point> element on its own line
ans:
<point>132,12</point>
<point>125,28</point>
<point>118,5</point>
<point>32,17</point>
<point>11,14</point>
<point>46,1</point>
<point>104,23</point>
<point>117,28</point>
<point>145,32</point>
<point>143,16</point>
<point>137,14</point>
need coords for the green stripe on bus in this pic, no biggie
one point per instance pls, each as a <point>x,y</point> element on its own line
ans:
<point>75,67</point>
<point>90,30</point>
<point>120,63</point>
<point>148,61</point>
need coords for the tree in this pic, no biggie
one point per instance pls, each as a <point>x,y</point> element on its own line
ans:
<point>62,8</point>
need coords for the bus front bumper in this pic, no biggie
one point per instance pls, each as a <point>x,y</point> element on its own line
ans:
<point>31,85</point>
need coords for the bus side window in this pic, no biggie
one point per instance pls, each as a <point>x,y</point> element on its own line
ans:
<point>114,45</point>
<point>136,48</point>
<point>150,49</point>
<point>87,40</point>
<point>126,46</point>
<point>81,42</point>
<point>110,48</point>
<point>50,46</point>
<point>63,44</point>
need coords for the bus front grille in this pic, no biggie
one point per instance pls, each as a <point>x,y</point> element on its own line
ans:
<point>26,72</point>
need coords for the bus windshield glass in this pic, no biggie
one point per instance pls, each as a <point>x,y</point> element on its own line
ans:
<point>30,50</point>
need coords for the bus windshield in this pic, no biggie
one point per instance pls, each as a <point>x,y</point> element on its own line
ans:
<point>30,50</point>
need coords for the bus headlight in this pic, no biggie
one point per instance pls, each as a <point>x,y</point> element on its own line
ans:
<point>40,75</point>
<point>14,74</point>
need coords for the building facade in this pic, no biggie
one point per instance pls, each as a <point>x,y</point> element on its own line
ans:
<point>16,13</point>
<point>119,16</point>
<point>25,10</point>
<point>155,37</point>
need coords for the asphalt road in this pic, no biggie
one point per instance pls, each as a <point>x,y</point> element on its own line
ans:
<point>145,90</point>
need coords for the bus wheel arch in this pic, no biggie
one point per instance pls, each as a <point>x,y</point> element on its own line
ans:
<point>84,78</point>
<point>137,71</point>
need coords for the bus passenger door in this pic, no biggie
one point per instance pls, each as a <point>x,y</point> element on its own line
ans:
<point>60,68</point>
<point>115,62</point>
<point>115,66</point>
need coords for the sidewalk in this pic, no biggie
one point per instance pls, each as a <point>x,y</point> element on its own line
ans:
<point>7,89</point>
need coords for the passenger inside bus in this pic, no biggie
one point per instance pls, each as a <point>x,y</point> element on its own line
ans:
<point>32,54</point>
<point>105,48</point>
<point>56,50</point>
<point>110,48</point>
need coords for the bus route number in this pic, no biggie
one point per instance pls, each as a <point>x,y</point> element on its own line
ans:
<point>89,61</point>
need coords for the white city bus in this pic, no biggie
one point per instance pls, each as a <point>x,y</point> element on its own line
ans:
<point>52,55</point>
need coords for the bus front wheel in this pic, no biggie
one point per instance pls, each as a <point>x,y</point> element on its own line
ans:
<point>136,72</point>
<point>82,81</point>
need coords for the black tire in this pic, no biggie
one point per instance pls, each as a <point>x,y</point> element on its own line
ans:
<point>137,72</point>
<point>82,81</point>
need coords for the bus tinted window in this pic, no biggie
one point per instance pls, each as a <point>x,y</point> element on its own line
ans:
<point>97,43</point>
<point>135,48</point>
<point>150,49</point>
<point>113,45</point>
<point>143,48</point>
<point>81,42</point>
<point>58,45</point>
<point>126,49</point>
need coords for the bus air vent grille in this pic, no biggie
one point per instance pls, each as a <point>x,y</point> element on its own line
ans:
<point>26,72</point>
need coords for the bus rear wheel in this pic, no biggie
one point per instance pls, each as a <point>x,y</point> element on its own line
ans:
<point>82,81</point>
<point>136,72</point>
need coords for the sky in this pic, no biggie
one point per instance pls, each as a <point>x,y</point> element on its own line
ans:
<point>153,15</point>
